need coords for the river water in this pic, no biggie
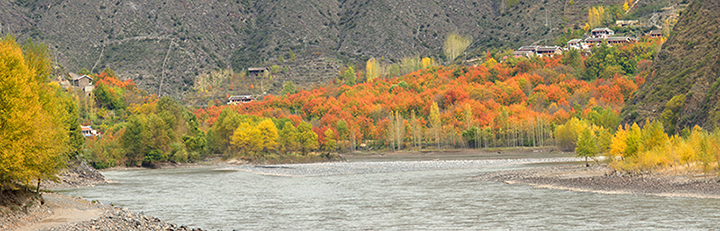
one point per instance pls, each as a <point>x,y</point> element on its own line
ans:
<point>223,198</point>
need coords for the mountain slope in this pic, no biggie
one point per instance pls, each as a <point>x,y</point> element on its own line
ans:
<point>689,63</point>
<point>164,45</point>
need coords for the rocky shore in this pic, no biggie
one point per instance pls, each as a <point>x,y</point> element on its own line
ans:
<point>77,175</point>
<point>601,179</point>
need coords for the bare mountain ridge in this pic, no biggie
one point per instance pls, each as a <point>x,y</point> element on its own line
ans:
<point>172,42</point>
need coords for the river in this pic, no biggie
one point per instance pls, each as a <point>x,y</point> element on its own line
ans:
<point>228,199</point>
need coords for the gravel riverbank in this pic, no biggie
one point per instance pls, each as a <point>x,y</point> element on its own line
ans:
<point>347,168</point>
<point>601,179</point>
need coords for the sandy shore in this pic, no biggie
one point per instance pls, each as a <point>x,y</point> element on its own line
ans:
<point>601,179</point>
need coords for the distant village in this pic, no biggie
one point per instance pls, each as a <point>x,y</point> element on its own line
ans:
<point>595,38</point>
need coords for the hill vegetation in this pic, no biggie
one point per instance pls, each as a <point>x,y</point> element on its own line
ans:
<point>164,45</point>
<point>682,90</point>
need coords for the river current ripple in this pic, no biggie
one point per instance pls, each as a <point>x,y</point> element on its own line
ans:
<point>385,195</point>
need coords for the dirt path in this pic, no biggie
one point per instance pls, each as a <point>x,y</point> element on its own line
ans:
<point>58,210</point>
<point>63,217</point>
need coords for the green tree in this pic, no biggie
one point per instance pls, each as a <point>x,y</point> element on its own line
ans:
<point>288,88</point>
<point>632,141</point>
<point>349,76</point>
<point>83,71</point>
<point>670,115</point>
<point>343,130</point>
<point>109,72</point>
<point>106,98</point>
<point>653,136</point>
<point>566,135</point>
<point>587,145</point>
<point>136,139</point>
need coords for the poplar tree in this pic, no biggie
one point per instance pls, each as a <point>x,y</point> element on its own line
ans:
<point>435,123</point>
<point>455,45</point>
<point>372,70</point>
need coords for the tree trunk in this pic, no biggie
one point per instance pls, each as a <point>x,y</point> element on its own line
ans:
<point>586,162</point>
<point>37,190</point>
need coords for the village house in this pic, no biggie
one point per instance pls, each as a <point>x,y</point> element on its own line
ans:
<point>655,34</point>
<point>619,40</point>
<point>548,51</point>
<point>88,131</point>
<point>525,51</point>
<point>602,32</point>
<point>235,99</point>
<point>593,41</point>
<point>574,44</point>
<point>256,72</point>
<point>83,83</point>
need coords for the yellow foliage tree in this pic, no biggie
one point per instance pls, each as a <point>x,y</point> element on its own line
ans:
<point>566,135</point>
<point>33,138</point>
<point>596,15</point>
<point>435,123</point>
<point>268,135</point>
<point>428,62</point>
<point>617,143</point>
<point>372,70</point>
<point>455,45</point>
<point>246,138</point>
<point>330,142</point>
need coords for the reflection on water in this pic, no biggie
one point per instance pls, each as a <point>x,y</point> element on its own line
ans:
<point>443,199</point>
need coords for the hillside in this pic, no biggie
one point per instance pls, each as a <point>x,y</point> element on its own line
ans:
<point>689,64</point>
<point>172,42</point>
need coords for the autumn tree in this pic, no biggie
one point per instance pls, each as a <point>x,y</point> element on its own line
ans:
<point>288,138</point>
<point>566,135</point>
<point>455,45</point>
<point>306,137</point>
<point>33,135</point>
<point>246,138</point>
<point>435,123</point>
<point>330,141</point>
<point>372,69</point>
<point>268,135</point>
<point>222,130</point>
<point>596,15</point>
